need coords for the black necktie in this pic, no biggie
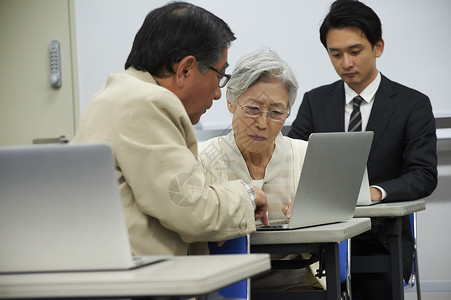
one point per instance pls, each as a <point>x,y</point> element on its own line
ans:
<point>355,122</point>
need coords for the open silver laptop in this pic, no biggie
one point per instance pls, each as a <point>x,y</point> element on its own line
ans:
<point>330,180</point>
<point>60,210</point>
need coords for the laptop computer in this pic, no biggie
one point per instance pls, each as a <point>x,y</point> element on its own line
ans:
<point>60,210</point>
<point>364,194</point>
<point>330,180</point>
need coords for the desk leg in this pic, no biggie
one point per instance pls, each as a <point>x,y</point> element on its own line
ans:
<point>394,228</point>
<point>331,257</point>
<point>385,263</point>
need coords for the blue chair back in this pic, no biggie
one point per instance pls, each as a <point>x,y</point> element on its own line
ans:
<point>343,257</point>
<point>239,245</point>
<point>412,225</point>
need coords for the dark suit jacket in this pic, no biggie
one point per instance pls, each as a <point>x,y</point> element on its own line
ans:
<point>403,157</point>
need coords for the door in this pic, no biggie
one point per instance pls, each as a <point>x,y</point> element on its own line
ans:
<point>30,108</point>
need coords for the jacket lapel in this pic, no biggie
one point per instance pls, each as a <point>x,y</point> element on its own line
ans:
<point>335,108</point>
<point>382,110</point>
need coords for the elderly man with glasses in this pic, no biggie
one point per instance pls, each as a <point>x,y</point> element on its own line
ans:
<point>146,114</point>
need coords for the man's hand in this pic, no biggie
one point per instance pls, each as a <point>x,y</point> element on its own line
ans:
<point>261,206</point>
<point>376,194</point>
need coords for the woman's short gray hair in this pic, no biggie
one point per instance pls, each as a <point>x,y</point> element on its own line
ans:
<point>260,65</point>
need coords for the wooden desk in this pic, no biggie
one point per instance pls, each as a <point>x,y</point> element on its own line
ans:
<point>392,214</point>
<point>321,240</point>
<point>177,276</point>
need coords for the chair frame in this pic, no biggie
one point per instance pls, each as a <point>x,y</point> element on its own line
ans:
<point>414,280</point>
<point>348,271</point>
<point>346,294</point>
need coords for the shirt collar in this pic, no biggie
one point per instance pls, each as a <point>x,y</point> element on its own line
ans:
<point>367,94</point>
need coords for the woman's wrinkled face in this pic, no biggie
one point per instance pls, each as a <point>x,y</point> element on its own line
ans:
<point>257,133</point>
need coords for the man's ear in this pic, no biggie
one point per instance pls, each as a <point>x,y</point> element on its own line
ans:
<point>183,70</point>
<point>379,48</point>
<point>230,106</point>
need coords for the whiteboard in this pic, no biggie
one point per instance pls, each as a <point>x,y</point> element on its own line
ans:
<point>416,34</point>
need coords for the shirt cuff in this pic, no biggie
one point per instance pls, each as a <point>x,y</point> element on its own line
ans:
<point>384,193</point>
<point>251,192</point>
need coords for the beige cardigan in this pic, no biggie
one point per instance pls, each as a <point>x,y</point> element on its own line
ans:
<point>167,202</point>
<point>222,161</point>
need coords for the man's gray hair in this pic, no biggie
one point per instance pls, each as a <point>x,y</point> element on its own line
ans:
<point>261,65</point>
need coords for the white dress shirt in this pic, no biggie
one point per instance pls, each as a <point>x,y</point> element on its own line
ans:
<point>368,95</point>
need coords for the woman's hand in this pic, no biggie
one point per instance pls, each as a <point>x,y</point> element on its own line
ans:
<point>286,209</point>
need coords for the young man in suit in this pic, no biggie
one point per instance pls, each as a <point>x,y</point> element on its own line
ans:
<point>402,164</point>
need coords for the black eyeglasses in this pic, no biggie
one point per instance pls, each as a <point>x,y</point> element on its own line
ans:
<point>224,79</point>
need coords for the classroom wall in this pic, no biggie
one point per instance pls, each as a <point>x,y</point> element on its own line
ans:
<point>416,36</point>
<point>417,42</point>
<point>433,242</point>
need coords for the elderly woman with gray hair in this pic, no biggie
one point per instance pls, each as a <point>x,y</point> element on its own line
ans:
<point>260,94</point>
